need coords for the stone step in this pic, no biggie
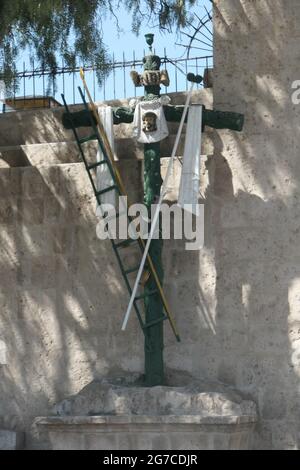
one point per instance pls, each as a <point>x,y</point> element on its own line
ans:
<point>11,440</point>
<point>67,152</point>
<point>23,180</point>
<point>33,181</point>
<point>40,154</point>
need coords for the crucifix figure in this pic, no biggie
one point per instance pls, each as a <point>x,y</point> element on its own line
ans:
<point>151,79</point>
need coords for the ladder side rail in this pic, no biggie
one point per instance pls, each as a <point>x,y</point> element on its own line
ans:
<point>142,324</point>
<point>99,202</point>
<point>79,145</point>
<point>93,111</point>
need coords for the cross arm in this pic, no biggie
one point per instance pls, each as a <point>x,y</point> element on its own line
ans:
<point>211,118</point>
<point>83,118</point>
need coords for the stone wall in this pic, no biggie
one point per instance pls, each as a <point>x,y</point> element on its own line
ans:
<point>236,301</point>
<point>62,294</point>
<point>253,213</point>
<point>62,297</point>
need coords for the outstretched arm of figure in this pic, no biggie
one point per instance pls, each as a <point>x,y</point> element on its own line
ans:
<point>211,118</point>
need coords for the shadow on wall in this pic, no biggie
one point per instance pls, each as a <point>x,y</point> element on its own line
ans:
<point>62,296</point>
<point>255,241</point>
<point>237,301</point>
<point>241,326</point>
<point>253,220</point>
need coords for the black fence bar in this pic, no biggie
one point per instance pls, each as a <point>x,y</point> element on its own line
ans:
<point>133,67</point>
<point>114,83</point>
<point>114,75</point>
<point>94,84</point>
<point>112,65</point>
<point>124,75</point>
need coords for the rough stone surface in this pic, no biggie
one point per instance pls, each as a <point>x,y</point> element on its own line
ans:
<point>252,225</point>
<point>10,440</point>
<point>3,359</point>
<point>236,302</point>
<point>113,414</point>
<point>125,396</point>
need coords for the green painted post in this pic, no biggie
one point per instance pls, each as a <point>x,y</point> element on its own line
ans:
<point>154,344</point>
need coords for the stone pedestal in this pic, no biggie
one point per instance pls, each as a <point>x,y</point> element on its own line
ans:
<point>131,432</point>
<point>106,416</point>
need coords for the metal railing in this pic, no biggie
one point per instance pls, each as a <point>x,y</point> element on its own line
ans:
<point>116,84</point>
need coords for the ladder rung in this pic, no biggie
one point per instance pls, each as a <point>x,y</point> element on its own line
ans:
<point>154,322</point>
<point>87,139</point>
<point>126,243</point>
<point>148,294</point>
<point>139,315</point>
<point>106,190</point>
<point>95,165</point>
<point>132,270</point>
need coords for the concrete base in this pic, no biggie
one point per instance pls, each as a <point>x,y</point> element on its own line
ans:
<point>148,432</point>
<point>107,416</point>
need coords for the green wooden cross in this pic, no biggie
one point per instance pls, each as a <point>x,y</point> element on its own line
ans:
<point>153,346</point>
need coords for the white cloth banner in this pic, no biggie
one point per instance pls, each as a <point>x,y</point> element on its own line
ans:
<point>190,176</point>
<point>2,96</point>
<point>2,91</point>
<point>104,179</point>
<point>149,122</point>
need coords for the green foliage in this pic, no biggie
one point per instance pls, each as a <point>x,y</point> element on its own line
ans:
<point>70,30</point>
<point>51,28</point>
<point>164,13</point>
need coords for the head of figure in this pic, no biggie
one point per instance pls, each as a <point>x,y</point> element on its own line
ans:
<point>151,62</point>
<point>149,122</point>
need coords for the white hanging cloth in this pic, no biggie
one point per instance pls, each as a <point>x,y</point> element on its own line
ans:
<point>104,179</point>
<point>149,122</point>
<point>190,176</point>
<point>2,93</point>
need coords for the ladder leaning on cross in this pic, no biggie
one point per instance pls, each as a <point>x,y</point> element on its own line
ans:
<point>100,135</point>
